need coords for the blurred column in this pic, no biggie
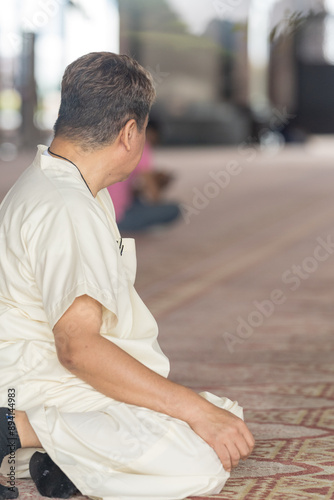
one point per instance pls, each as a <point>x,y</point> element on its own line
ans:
<point>283,73</point>
<point>131,26</point>
<point>27,87</point>
<point>10,46</point>
<point>259,55</point>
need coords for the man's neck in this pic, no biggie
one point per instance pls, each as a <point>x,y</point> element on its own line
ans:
<point>84,161</point>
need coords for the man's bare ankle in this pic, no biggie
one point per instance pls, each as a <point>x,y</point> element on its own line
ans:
<point>26,433</point>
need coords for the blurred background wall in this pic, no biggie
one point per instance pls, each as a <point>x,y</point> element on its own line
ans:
<point>226,71</point>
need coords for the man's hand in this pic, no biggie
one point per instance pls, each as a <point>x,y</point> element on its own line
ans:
<point>227,434</point>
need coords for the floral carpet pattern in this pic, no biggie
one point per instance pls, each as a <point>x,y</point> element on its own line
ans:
<point>243,291</point>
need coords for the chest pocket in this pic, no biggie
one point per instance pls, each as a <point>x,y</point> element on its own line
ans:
<point>127,247</point>
<point>128,257</point>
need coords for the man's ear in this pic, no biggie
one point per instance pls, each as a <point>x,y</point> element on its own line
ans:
<point>127,133</point>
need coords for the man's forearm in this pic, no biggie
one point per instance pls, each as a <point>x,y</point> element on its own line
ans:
<point>118,375</point>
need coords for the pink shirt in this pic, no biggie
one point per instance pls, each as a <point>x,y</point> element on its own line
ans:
<point>121,192</point>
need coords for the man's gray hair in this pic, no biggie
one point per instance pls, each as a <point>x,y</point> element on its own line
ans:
<point>101,91</point>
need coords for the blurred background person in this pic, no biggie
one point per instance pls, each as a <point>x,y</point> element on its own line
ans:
<point>138,200</point>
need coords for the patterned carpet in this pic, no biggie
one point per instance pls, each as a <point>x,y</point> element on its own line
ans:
<point>243,293</point>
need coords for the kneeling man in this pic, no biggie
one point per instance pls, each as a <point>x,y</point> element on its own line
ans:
<point>82,374</point>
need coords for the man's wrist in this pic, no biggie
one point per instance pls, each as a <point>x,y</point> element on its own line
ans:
<point>187,405</point>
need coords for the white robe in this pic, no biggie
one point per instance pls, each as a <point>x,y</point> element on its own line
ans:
<point>57,242</point>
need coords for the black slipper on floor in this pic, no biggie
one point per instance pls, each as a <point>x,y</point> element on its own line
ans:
<point>8,493</point>
<point>49,479</point>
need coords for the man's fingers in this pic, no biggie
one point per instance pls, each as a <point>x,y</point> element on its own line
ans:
<point>243,448</point>
<point>225,458</point>
<point>234,454</point>
<point>248,436</point>
<point>245,444</point>
<point>229,455</point>
<point>240,447</point>
<point>244,441</point>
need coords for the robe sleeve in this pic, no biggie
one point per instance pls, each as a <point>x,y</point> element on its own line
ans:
<point>74,252</point>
